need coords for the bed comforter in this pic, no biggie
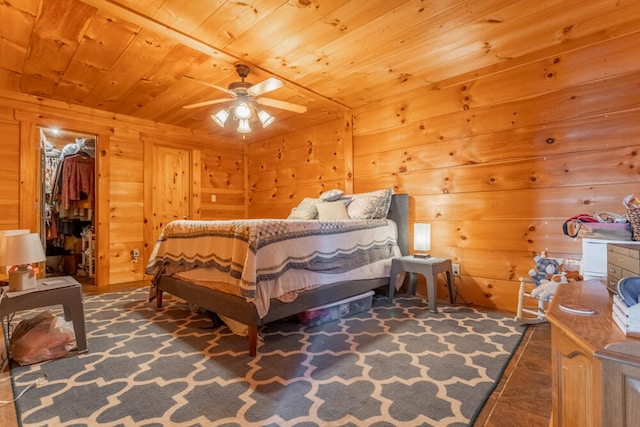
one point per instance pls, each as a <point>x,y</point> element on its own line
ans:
<point>269,258</point>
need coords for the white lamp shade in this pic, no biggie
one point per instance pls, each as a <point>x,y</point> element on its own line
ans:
<point>21,249</point>
<point>3,246</point>
<point>220,117</point>
<point>265,118</point>
<point>421,237</point>
<point>243,126</point>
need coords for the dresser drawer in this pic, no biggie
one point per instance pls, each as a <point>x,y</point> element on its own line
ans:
<point>614,272</point>
<point>623,260</point>
<point>626,257</point>
<point>612,285</point>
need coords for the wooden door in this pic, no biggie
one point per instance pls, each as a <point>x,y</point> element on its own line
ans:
<point>171,179</point>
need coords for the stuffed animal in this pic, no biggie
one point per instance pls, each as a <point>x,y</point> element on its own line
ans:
<point>559,278</point>
<point>546,289</point>
<point>573,276</point>
<point>545,268</point>
<point>548,286</point>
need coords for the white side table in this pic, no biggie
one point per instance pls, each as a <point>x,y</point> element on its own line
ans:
<point>429,268</point>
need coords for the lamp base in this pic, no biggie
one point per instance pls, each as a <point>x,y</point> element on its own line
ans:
<point>22,279</point>
<point>421,256</point>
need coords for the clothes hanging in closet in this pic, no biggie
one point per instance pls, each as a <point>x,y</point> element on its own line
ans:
<point>74,175</point>
<point>78,174</point>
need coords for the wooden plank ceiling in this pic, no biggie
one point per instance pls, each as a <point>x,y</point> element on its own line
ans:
<point>130,56</point>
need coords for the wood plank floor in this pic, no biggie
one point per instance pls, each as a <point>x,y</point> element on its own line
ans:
<point>522,398</point>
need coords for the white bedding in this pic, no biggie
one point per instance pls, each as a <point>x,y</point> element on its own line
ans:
<point>264,259</point>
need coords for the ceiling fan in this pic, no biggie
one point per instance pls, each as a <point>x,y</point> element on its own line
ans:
<point>243,94</point>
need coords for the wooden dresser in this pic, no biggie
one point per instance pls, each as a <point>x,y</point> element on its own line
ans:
<point>623,260</point>
<point>595,367</point>
<point>594,257</point>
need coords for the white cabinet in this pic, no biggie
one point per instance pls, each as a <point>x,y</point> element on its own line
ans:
<point>594,257</point>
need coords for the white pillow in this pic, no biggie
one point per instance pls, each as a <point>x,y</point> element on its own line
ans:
<point>371,205</point>
<point>331,195</point>
<point>332,210</point>
<point>305,210</point>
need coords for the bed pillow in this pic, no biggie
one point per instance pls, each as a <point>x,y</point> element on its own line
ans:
<point>305,210</point>
<point>371,205</point>
<point>332,210</point>
<point>331,195</point>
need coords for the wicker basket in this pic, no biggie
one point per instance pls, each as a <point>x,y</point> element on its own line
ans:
<point>633,213</point>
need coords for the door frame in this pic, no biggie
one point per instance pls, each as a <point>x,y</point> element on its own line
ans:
<point>30,206</point>
<point>195,155</point>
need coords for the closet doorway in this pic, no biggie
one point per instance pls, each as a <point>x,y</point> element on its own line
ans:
<point>68,193</point>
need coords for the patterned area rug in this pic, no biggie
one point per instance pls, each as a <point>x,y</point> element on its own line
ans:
<point>394,365</point>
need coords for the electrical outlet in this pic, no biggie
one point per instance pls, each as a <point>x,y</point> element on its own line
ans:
<point>456,269</point>
<point>213,198</point>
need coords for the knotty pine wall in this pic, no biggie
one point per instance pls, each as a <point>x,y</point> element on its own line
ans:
<point>497,160</point>
<point>123,214</point>
<point>283,170</point>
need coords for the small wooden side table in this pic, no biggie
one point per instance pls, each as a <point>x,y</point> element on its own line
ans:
<point>429,268</point>
<point>65,291</point>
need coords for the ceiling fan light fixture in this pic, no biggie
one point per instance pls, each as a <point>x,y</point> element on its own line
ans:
<point>244,98</point>
<point>220,117</point>
<point>265,118</point>
<point>242,111</point>
<point>243,126</point>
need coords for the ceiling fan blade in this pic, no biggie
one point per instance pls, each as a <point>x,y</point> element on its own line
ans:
<point>202,82</point>
<point>282,105</point>
<point>265,86</point>
<point>205,103</point>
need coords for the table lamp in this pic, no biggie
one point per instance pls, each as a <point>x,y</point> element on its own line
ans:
<point>421,240</point>
<point>20,251</point>
<point>4,269</point>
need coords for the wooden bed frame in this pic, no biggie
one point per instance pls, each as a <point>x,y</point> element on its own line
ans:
<point>239,309</point>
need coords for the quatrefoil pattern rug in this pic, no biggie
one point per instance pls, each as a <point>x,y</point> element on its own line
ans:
<point>394,365</point>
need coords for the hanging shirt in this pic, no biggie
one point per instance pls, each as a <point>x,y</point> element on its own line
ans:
<point>77,179</point>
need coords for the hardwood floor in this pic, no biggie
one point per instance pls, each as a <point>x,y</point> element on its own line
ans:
<point>522,398</point>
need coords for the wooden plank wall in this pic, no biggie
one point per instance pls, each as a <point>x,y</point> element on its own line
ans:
<point>122,213</point>
<point>283,170</point>
<point>497,160</point>
<point>9,170</point>
<point>223,175</point>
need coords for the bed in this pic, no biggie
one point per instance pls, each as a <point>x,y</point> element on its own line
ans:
<point>225,266</point>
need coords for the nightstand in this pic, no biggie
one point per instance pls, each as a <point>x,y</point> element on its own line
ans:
<point>65,291</point>
<point>429,268</point>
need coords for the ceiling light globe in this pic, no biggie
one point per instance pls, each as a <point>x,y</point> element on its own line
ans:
<point>243,126</point>
<point>242,111</point>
